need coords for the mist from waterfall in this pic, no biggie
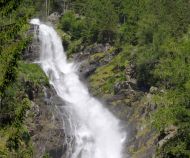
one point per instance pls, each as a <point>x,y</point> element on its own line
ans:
<point>96,131</point>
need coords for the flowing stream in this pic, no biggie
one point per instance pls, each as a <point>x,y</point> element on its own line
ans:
<point>96,131</point>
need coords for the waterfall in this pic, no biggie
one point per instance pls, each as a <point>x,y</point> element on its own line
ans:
<point>96,131</point>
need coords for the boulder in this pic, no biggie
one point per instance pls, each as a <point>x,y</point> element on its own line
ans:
<point>87,71</point>
<point>54,17</point>
<point>153,90</point>
<point>121,86</point>
<point>124,86</point>
<point>169,133</point>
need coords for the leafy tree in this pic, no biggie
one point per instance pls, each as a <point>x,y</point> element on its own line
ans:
<point>12,40</point>
<point>102,17</point>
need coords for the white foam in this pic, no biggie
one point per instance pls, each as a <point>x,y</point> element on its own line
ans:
<point>97,132</point>
<point>35,21</point>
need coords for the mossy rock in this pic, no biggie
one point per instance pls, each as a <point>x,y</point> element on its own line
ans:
<point>96,57</point>
<point>107,75</point>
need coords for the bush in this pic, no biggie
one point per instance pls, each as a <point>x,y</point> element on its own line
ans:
<point>72,25</point>
<point>74,47</point>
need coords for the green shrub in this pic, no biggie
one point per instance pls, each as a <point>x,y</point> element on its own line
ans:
<point>18,141</point>
<point>66,38</point>
<point>74,47</point>
<point>72,25</point>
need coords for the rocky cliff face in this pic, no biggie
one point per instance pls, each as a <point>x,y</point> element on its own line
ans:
<point>45,124</point>
<point>121,95</point>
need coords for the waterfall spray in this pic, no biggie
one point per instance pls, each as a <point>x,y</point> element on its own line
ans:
<point>96,131</point>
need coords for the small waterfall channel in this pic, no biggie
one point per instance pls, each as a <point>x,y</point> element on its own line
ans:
<point>96,131</point>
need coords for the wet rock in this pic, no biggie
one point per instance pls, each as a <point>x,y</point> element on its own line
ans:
<point>56,100</point>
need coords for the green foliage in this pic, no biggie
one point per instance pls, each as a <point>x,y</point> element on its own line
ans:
<point>16,103</point>
<point>170,106</point>
<point>74,47</point>
<point>13,133</point>
<point>101,15</point>
<point>66,38</point>
<point>174,67</point>
<point>130,12</point>
<point>13,39</point>
<point>178,146</point>
<point>32,73</point>
<point>172,71</point>
<point>154,36</point>
<point>155,30</point>
<point>18,142</point>
<point>8,58</point>
<point>13,101</point>
<point>105,77</point>
<point>73,25</point>
<point>96,23</point>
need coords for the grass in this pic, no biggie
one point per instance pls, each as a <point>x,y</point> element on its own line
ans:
<point>32,72</point>
<point>105,77</point>
<point>97,56</point>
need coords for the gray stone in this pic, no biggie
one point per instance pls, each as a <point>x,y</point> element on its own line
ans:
<point>153,90</point>
<point>54,17</point>
<point>169,133</point>
<point>97,47</point>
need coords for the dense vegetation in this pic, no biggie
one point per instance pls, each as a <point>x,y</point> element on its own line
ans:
<point>15,77</point>
<point>154,35</point>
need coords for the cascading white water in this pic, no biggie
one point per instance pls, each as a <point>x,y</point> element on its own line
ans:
<point>97,132</point>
